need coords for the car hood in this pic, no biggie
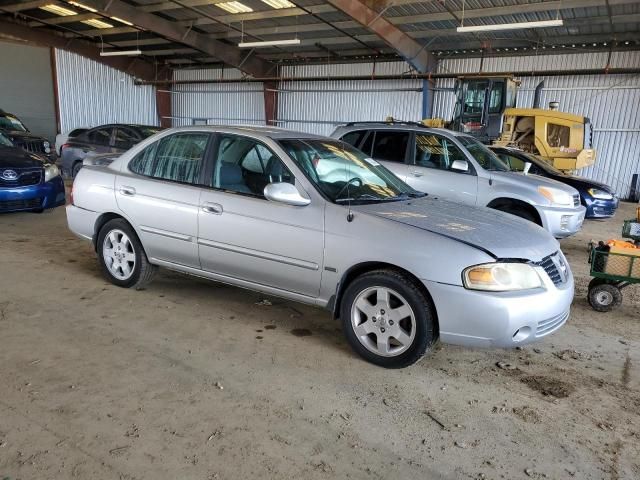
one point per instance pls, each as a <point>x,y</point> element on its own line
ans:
<point>13,157</point>
<point>20,135</point>
<point>585,183</point>
<point>533,181</point>
<point>500,234</point>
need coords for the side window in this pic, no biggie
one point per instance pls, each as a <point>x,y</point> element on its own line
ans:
<point>558,135</point>
<point>368,143</point>
<point>354,138</point>
<point>100,136</point>
<point>390,145</point>
<point>178,158</point>
<point>433,151</point>
<point>125,139</point>
<point>244,165</point>
<point>495,100</point>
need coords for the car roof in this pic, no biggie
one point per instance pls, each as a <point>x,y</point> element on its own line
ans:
<point>275,133</point>
<point>403,126</point>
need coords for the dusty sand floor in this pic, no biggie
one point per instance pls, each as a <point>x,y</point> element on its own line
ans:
<point>194,380</point>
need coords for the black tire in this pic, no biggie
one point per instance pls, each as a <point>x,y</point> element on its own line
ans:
<point>75,169</point>
<point>142,272</point>
<point>422,307</point>
<point>604,297</point>
<point>520,212</point>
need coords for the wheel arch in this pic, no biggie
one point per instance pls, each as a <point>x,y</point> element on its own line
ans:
<point>365,267</point>
<point>499,202</point>
<point>102,220</point>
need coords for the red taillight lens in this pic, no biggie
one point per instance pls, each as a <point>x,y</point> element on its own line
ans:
<point>63,146</point>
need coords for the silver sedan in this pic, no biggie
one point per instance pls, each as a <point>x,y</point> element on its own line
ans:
<point>314,220</point>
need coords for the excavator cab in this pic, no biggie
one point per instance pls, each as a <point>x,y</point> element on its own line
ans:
<point>480,103</point>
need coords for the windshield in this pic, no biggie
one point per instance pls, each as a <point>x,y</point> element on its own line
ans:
<point>5,142</point>
<point>543,164</point>
<point>9,122</point>
<point>344,174</point>
<point>485,157</point>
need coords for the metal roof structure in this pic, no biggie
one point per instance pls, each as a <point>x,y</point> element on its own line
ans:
<point>192,33</point>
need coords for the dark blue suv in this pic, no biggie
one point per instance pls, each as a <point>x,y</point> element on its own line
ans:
<point>600,199</point>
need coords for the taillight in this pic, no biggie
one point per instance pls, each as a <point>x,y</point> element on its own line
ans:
<point>63,146</point>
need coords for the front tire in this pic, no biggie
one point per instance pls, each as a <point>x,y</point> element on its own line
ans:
<point>122,257</point>
<point>387,319</point>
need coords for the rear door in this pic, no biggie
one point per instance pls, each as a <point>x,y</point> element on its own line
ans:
<point>159,192</point>
<point>243,235</point>
<point>391,148</point>
<point>430,170</point>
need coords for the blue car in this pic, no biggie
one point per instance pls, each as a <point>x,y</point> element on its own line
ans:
<point>27,181</point>
<point>600,199</point>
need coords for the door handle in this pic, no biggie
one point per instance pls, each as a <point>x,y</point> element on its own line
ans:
<point>416,173</point>
<point>210,207</point>
<point>128,191</point>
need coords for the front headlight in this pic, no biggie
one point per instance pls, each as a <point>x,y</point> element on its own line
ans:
<point>600,194</point>
<point>47,147</point>
<point>501,277</point>
<point>50,172</point>
<point>556,196</point>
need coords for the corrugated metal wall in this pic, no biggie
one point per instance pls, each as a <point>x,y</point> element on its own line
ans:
<point>318,107</point>
<point>612,102</point>
<point>217,103</point>
<point>26,87</point>
<point>92,94</point>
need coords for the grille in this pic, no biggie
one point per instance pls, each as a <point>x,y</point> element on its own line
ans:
<point>25,178</point>
<point>33,146</point>
<point>551,268</point>
<point>576,200</point>
<point>549,325</point>
<point>20,204</point>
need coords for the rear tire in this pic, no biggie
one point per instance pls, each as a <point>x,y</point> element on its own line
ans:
<point>387,319</point>
<point>122,256</point>
<point>604,297</point>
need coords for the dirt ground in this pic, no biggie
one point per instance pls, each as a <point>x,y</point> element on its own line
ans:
<point>196,380</point>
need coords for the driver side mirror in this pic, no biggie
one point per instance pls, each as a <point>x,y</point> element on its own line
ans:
<point>460,166</point>
<point>285,193</point>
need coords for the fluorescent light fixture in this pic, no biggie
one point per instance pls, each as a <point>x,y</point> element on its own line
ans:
<point>122,21</point>
<point>277,4</point>
<point>120,53</point>
<point>269,43</point>
<point>85,7</point>
<point>234,7</point>
<point>97,23</point>
<point>510,26</point>
<point>63,12</point>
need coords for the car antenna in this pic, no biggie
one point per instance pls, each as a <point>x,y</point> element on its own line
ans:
<point>350,213</point>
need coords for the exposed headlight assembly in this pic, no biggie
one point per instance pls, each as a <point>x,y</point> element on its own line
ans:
<point>600,194</point>
<point>50,172</point>
<point>556,196</point>
<point>501,277</point>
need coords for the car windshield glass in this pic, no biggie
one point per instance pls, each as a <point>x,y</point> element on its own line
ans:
<point>148,131</point>
<point>543,164</point>
<point>485,157</point>
<point>344,174</point>
<point>9,122</point>
<point>4,141</point>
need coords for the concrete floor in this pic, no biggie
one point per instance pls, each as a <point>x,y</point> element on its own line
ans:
<point>195,380</point>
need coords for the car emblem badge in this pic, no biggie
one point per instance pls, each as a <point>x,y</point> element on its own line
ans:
<point>9,175</point>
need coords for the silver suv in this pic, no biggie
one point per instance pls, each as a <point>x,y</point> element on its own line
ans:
<point>458,167</point>
<point>312,219</point>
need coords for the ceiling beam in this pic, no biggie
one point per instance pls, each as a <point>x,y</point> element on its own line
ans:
<point>229,54</point>
<point>135,67</point>
<point>414,53</point>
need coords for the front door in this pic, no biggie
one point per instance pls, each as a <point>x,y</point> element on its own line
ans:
<point>244,236</point>
<point>431,172</point>
<point>160,192</point>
